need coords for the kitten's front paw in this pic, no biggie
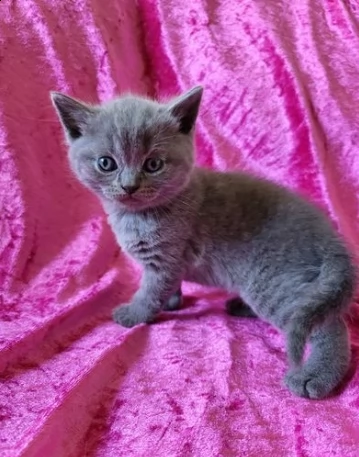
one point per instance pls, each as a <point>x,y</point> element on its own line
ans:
<point>128,316</point>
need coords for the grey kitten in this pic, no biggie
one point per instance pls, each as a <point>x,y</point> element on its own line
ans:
<point>230,230</point>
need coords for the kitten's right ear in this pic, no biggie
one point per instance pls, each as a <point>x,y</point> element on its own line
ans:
<point>73,114</point>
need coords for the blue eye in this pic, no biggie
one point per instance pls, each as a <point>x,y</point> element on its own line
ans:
<point>152,165</point>
<point>106,164</point>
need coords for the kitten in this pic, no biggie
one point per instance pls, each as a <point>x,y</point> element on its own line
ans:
<point>230,230</point>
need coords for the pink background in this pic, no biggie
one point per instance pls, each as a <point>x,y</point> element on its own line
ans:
<point>281,99</point>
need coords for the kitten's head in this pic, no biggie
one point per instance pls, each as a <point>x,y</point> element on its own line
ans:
<point>131,150</point>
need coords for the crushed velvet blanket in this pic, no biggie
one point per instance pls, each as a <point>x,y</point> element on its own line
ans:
<point>281,100</point>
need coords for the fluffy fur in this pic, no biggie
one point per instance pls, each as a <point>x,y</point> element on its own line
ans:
<point>231,230</point>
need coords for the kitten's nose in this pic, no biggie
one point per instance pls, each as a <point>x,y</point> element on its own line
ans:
<point>130,189</point>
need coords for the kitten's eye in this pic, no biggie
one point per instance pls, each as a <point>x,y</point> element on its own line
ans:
<point>106,164</point>
<point>152,165</point>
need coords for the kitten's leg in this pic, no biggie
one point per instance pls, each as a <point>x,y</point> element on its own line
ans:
<point>237,307</point>
<point>174,302</point>
<point>327,364</point>
<point>159,283</point>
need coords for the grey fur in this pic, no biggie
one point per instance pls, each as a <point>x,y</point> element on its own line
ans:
<point>231,230</point>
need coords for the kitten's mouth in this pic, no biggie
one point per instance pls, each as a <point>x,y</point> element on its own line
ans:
<point>130,199</point>
<point>134,201</point>
<point>127,199</point>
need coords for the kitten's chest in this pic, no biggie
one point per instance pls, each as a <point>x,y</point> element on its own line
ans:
<point>137,236</point>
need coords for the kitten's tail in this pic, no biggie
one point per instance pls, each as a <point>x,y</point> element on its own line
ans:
<point>330,296</point>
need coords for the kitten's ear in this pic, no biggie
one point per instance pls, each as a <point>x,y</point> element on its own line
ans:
<point>185,108</point>
<point>74,115</point>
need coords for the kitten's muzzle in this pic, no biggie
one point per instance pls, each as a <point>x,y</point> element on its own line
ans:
<point>130,189</point>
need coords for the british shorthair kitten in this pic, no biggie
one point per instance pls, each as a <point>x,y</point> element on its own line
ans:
<point>246,235</point>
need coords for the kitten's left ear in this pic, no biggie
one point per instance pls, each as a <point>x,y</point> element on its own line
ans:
<point>73,114</point>
<point>185,108</point>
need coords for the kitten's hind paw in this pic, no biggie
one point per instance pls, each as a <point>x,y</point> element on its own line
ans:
<point>305,384</point>
<point>237,307</point>
<point>174,302</point>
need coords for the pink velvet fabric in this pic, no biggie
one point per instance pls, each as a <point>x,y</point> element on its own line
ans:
<point>281,99</point>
